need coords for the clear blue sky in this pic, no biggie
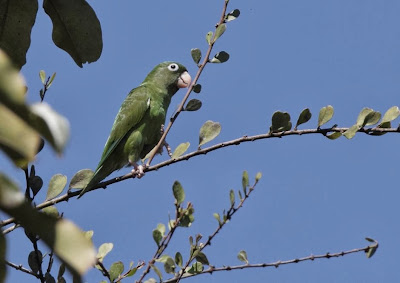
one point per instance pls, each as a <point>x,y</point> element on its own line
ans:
<point>316,195</point>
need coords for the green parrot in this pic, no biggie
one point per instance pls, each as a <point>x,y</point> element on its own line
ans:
<point>138,125</point>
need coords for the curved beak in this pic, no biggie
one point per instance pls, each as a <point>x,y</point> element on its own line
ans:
<point>184,80</point>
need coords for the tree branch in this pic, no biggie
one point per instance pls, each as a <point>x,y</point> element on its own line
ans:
<point>20,267</point>
<point>277,263</point>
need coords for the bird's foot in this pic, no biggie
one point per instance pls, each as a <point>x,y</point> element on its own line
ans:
<point>138,170</point>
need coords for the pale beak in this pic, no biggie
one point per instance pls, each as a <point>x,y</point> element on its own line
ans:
<point>184,80</point>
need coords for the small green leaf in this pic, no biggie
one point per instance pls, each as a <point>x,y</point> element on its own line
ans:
<point>258,176</point>
<point>196,55</point>
<point>35,260</point>
<point>334,135</point>
<point>201,257</point>
<point>56,186</point>
<point>220,57</point>
<point>209,131</point>
<point>232,197</point>
<point>157,236</point>
<point>232,15</point>
<point>161,228</point>
<point>325,114</point>
<point>209,37</point>
<point>304,117</point>
<point>280,122</point>
<point>81,179</point>
<point>169,266</point>
<point>197,88</point>
<point>181,149</point>
<point>179,259</point>
<point>178,192</point>
<point>42,75</point>
<point>157,271</point>
<point>219,31</point>
<point>216,216</point>
<point>196,267</point>
<point>151,280</point>
<point>131,272</point>
<point>51,80</point>
<point>104,249</point>
<point>351,132</point>
<point>372,249</point>
<point>240,195</point>
<point>245,180</point>
<point>391,114</point>
<point>361,117</point>
<point>372,118</point>
<point>115,270</point>
<point>193,105</point>
<point>242,256</point>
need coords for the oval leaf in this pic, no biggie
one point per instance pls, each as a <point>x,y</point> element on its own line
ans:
<point>196,55</point>
<point>179,259</point>
<point>219,31</point>
<point>115,270</point>
<point>245,180</point>
<point>220,57</point>
<point>325,114</point>
<point>201,257</point>
<point>209,131</point>
<point>104,249</point>
<point>81,179</point>
<point>193,105</point>
<point>35,261</point>
<point>258,176</point>
<point>157,236</point>
<point>232,197</point>
<point>178,192</point>
<point>56,186</point>
<point>351,132</point>
<point>76,29</point>
<point>181,149</point>
<point>304,117</point>
<point>334,136</point>
<point>36,183</point>
<point>208,37</point>
<point>242,256</point>
<point>42,75</point>
<point>391,114</point>
<point>169,266</point>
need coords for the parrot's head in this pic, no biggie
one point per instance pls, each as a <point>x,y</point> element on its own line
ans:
<point>170,75</point>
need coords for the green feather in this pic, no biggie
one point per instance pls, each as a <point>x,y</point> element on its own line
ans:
<point>137,126</point>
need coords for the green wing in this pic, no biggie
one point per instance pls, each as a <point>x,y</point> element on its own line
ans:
<point>130,114</point>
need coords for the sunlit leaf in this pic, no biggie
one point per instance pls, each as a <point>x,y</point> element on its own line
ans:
<point>325,115</point>
<point>51,211</point>
<point>201,257</point>
<point>42,75</point>
<point>53,76</point>
<point>232,197</point>
<point>245,180</point>
<point>258,176</point>
<point>209,37</point>
<point>104,249</point>
<point>81,179</point>
<point>169,266</point>
<point>157,271</point>
<point>334,136</point>
<point>209,131</point>
<point>242,256</point>
<point>219,31</point>
<point>351,132</point>
<point>56,186</point>
<point>391,114</point>
<point>181,149</point>
<point>115,270</point>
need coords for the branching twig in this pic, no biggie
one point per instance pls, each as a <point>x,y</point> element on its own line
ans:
<point>164,242</point>
<point>103,269</point>
<point>277,263</point>
<point>232,210</point>
<point>325,131</point>
<point>185,98</point>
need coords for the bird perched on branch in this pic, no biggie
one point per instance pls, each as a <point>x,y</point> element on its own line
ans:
<point>137,126</point>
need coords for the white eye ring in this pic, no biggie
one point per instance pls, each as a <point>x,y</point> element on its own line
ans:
<point>173,67</point>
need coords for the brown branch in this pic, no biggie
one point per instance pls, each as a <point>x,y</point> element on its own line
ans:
<point>103,269</point>
<point>325,131</point>
<point>278,263</point>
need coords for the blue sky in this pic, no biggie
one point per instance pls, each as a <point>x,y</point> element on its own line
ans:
<point>316,195</point>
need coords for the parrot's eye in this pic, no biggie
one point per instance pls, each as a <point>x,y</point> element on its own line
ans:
<point>173,67</point>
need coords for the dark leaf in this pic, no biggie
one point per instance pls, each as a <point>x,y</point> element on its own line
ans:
<point>304,117</point>
<point>193,105</point>
<point>220,57</point>
<point>197,88</point>
<point>178,192</point>
<point>196,55</point>
<point>280,122</point>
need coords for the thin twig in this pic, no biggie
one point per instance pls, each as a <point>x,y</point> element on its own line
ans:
<point>277,263</point>
<point>104,270</point>
<point>164,243</point>
<point>20,267</point>
<point>237,141</point>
